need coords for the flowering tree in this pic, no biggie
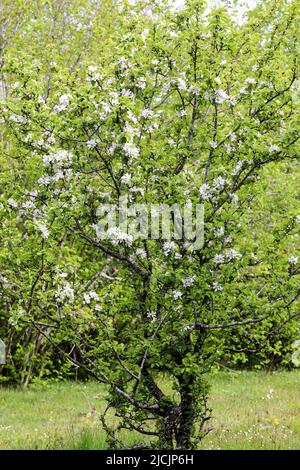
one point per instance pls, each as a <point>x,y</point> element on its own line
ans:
<point>56,36</point>
<point>187,108</point>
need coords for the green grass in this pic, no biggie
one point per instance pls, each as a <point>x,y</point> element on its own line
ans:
<point>247,414</point>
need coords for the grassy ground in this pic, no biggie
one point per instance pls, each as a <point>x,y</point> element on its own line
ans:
<point>252,410</point>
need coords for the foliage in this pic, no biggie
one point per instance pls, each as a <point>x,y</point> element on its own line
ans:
<point>180,107</point>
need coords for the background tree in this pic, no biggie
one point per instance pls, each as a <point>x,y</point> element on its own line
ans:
<point>186,107</point>
<point>57,36</point>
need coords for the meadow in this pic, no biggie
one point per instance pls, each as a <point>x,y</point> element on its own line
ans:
<point>251,410</point>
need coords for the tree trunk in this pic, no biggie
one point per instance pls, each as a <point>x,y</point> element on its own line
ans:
<point>187,416</point>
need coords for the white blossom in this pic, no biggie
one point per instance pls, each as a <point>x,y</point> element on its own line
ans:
<point>44,180</point>
<point>62,274</point>
<point>12,203</point>
<point>232,254</point>
<point>126,178</point>
<point>188,281</point>
<point>219,183</point>
<point>59,158</point>
<point>15,85</point>
<point>229,148</point>
<point>88,296</point>
<point>92,69</point>
<point>152,315</point>
<point>234,198</point>
<point>144,34</point>
<point>168,247</point>
<point>147,113</point>
<point>51,139</point>
<point>221,96</point>
<point>293,259</point>
<point>136,190</point>
<point>216,287</point>
<point>18,119</point>
<point>141,83</point>
<point>28,205</point>
<point>112,148</point>
<point>219,232</point>
<point>42,227</point>
<point>114,98</point>
<point>64,101</point>
<point>218,259</point>
<point>181,84</point>
<point>4,281</point>
<point>118,236</point>
<point>141,253</point>
<point>124,63</point>
<point>204,191</point>
<point>177,294</point>
<point>106,108</point>
<point>91,144</point>
<point>131,150</point>
<point>94,295</point>
<point>128,93</point>
<point>238,167</point>
<point>274,148</point>
<point>28,137</point>
<point>65,292</point>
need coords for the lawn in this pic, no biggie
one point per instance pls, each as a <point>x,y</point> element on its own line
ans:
<point>251,410</point>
